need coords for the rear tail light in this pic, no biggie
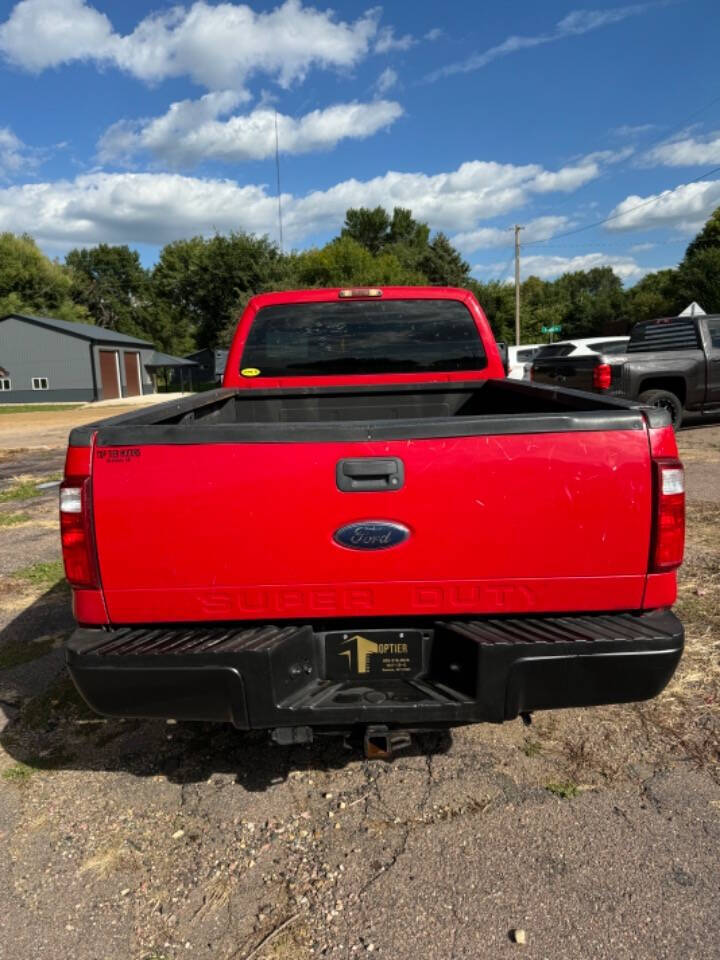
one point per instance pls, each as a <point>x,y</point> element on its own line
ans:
<point>602,375</point>
<point>76,533</point>
<point>669,525</point>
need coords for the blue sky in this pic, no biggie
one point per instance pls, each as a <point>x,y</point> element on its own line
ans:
<point>143,122</point>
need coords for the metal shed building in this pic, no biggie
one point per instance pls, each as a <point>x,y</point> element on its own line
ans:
<point>56,360</point>
<point>210,364</point>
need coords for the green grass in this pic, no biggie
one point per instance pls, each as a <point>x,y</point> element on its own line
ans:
<point>12,519</point>
<point>37,407</point>
<point>23,490</point>
<point>17,773</point>
<point>566,789</point>
<point>27,489</point>
<point>531,748</point>
<point>43,574</point>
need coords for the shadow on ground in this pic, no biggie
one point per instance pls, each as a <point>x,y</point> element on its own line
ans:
<point>694,421</point>
<point>51,727</point>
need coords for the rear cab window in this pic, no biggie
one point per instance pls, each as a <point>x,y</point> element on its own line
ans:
<point>609,346</point>
<point>555,350</point>
<point>713,324</point>
<point>666,334</point>
<point>362,336</point>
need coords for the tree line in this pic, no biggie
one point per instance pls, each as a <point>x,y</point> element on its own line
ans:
<point>191,297</point>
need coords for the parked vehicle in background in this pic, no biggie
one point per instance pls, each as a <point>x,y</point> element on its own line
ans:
<point>587,347</point>
<point>323,543</point>
<point>672,363</point>
<point>519,360</point>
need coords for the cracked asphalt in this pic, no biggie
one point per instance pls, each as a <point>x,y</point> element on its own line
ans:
<point>596,833</point>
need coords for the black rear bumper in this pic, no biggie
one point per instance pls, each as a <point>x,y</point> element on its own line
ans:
<point>274,676</point>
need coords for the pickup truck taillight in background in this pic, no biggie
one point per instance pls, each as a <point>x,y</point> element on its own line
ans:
<point>427,544</point>
<point>602,376</point>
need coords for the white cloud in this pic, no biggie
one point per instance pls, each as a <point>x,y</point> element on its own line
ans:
<point>386,81</point>
<point>154,208</point>
<point>190,132</point>
<point>568,178</point>
<point>549,267</point>
<point>434,34</point>
<point>632,130</point>
<point>15,156</point>
<point>642,247</point>
<point>485,237</point>
<point>574,24</point>
<point>217,46</point>
<point>387,41</point>
<point>688,152</point>
<point>686,208</point>
<point>11,152</point>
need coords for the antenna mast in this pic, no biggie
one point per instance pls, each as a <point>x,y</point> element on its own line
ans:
<point>277,172</point>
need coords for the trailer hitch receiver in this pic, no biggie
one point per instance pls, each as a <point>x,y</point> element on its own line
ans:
<point>379,743</point>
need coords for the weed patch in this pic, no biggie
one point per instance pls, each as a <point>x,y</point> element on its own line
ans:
<point>37,407</point>
<point>44,574</point>
<point>17,773</point>
<point>23,490</point>
<point>564,789</point>
<point>12,519</point>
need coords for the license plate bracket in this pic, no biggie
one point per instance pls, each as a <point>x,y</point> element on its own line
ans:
<point>373,654</point>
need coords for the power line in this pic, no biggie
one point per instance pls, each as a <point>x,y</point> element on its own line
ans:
<point>665,135</point>
<point>616,216</point>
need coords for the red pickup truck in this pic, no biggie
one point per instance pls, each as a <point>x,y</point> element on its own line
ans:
<point>368,528</point>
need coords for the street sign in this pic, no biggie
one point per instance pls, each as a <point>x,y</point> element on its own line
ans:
<point>554,329</point>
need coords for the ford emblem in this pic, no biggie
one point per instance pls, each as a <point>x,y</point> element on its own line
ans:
<point>371,535</point>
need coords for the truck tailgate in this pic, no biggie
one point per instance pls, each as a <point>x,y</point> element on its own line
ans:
<point>498,524</point>
<point>574,372</point>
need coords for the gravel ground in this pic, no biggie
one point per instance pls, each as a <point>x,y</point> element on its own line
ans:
<point>596,833</point>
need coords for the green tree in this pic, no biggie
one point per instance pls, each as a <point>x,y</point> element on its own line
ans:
<point>655,295</point>
<point>405,230</point>
<point>32,283</point>
<point>442,264</point>
<point>204,281</point>
<point>594,302</point>
<point>369,228</point>
<point>498,303</point>
<point>111,284</point>
<point>344,263</point>
<point>708,237</point>
<point>699,279</point>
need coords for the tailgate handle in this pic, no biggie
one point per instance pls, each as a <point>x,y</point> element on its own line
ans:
<point>370,474</point>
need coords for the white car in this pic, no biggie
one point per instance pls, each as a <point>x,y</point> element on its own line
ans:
<point>520,358</point>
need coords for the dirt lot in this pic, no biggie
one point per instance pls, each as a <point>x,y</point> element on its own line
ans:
<point>595,832</point>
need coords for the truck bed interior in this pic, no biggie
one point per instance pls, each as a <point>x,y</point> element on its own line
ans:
<point>367,412</point>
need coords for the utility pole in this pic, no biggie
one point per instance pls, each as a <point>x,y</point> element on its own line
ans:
<point>517,284</point>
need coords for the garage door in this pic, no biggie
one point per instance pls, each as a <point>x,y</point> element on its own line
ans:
<point>110,374</point>
<point>132,374</point>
